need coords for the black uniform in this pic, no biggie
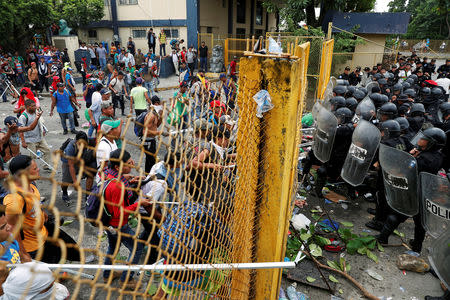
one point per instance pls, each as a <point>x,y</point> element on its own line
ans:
<point>427,161</point>
<point>354,78</point>
<point>344,76</point>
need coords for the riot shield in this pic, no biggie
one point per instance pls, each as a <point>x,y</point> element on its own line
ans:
<point>440,257</point>
<point>328,92</point>
<point>315,110</point>
<point>435,203</point>
<point>365,141</point>
<point>326,125</point>
<point>400,180</point>
<point>365,110</point>
<point>370,85</point>
<point>342,82</point>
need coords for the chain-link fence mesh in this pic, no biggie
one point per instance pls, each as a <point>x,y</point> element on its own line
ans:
<point>187,185</point>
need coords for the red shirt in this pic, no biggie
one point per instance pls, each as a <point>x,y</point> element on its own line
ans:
<point>183,56</point>
<point>29,95</point>
<point>233,68</point>
<point>113,194</point>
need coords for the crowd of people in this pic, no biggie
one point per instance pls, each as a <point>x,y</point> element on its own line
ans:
<point>199,154</point>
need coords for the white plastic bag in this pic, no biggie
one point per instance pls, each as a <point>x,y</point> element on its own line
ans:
<point>274,47</point>
<point>262,98</point>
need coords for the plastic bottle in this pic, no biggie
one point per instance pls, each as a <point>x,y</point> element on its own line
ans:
<point>292,293</point>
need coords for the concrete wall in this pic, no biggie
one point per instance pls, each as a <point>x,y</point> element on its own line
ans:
<point>152,9</point>
<point>374,52</point>
<point>70,42</point>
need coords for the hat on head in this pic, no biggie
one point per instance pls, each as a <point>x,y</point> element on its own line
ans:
<point>201,124</point>
<point>347,68</point>
<point>60,84</point>
<point>106,104</point>
<point>10,120</point>
<point>139,80</point>
<point>105,91</point>
<point>19,162</point>
<point>402,97</point>
<point>108,125</point>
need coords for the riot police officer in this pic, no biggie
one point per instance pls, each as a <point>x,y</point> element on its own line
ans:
<point>390,136</point>
<point>343,139</point>
<point>416,118</point>
<point>429,159</point>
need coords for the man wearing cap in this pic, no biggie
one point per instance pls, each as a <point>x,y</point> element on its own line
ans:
<point>63,102</point>
<point>108,114</point>
<point>101,52</point>
<point>139,98</point>
<point>70,82</point>
<point>345,75</point>
<point>355,77</point>
<point>107,144</point>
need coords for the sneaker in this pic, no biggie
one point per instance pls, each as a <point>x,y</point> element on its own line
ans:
<point>74,131</point>
<point>372,211</point>
<point>65,132</point>
<point>375,225</point>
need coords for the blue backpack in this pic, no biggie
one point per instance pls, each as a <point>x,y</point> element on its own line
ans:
<point>138,126</point>
<point>93,201</point>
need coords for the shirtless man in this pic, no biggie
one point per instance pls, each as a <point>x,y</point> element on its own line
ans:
<point>33,77</point>
<point>152,121</point>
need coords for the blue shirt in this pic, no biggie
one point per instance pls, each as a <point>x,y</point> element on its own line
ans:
<point>63,104</point>
<point>70,150</point>
<point>11,254</point>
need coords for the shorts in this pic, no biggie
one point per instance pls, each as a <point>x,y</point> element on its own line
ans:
<point>66,178</point>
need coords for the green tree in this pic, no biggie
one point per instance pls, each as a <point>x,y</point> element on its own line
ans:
<point>292,12</point>
<point>80,12</point>
<point>429,18</point>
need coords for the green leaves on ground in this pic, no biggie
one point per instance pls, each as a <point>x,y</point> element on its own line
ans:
<point>400,234</point>
<point>346,224</point>
<point>371,255</point>
<point>333,279</point>
<point>310,279</point>
<point>315,250</point>
<point>342,265</point>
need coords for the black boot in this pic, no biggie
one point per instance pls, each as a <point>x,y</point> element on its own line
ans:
<point>389,226</point>
<point>375,225</point>
<point>416,246</point>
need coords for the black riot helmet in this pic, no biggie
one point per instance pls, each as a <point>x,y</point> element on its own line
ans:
<point>337,102</point>
<point>417,110</point>
<point>437,93</point>
<point>344,115</point>
<point>350,91</point>
<point>403,109</point>
<point>445,109</point>
<point>397,87</point>
<point>405,85</point>
<point>387,111</point>
<point>351,103</point>
<point>384,98</point>
<point>382,81</point>
<point>404,124</point>
<point>340,90</point>
<point>359,95</point>
<point>377,76</point>
<point>414,77</point>
<point>410,81</point>
<point>377,99</point>
<point>425,91</point>
<point>410,92</point>
<point>390,129</point>
<point>342,82</point>
<point>363,89</point>
<point>436,139</point>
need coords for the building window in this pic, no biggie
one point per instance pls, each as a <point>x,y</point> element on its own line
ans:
<point>128,2</point>
<point>208,29</point>
<point>92,33</point>
<point>171,33</point>
<point>139,33</point>
<point>240,31</point>
<point>259,13</point>
<point>241,8</point>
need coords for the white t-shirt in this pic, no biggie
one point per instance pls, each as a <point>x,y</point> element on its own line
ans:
<point>96,106</point>
<point>104,149</point>
<point>443,82</point>
<point>174,58</point>
<point>118,85</point>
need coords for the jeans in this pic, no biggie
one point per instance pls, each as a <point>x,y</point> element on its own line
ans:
<point>162,48</point>
<point>204,63</point>
<point>127,242</point>
<point>2,91</point>
<point>152,47</point>
<point>116,100</point>
<point>150,154</point>
<point>64,117</point>
<point>102,63</point>
<point>20,78</point>
<point>91,130</point>
<point>149,86</point>
<point>43,82</point>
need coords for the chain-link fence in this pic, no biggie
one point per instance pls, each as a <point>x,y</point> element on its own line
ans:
<point>183,194</point>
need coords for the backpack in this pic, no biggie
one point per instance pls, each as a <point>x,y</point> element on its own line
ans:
<point>138,126</point>
<point>92,209</point>
<point>64,145</point>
